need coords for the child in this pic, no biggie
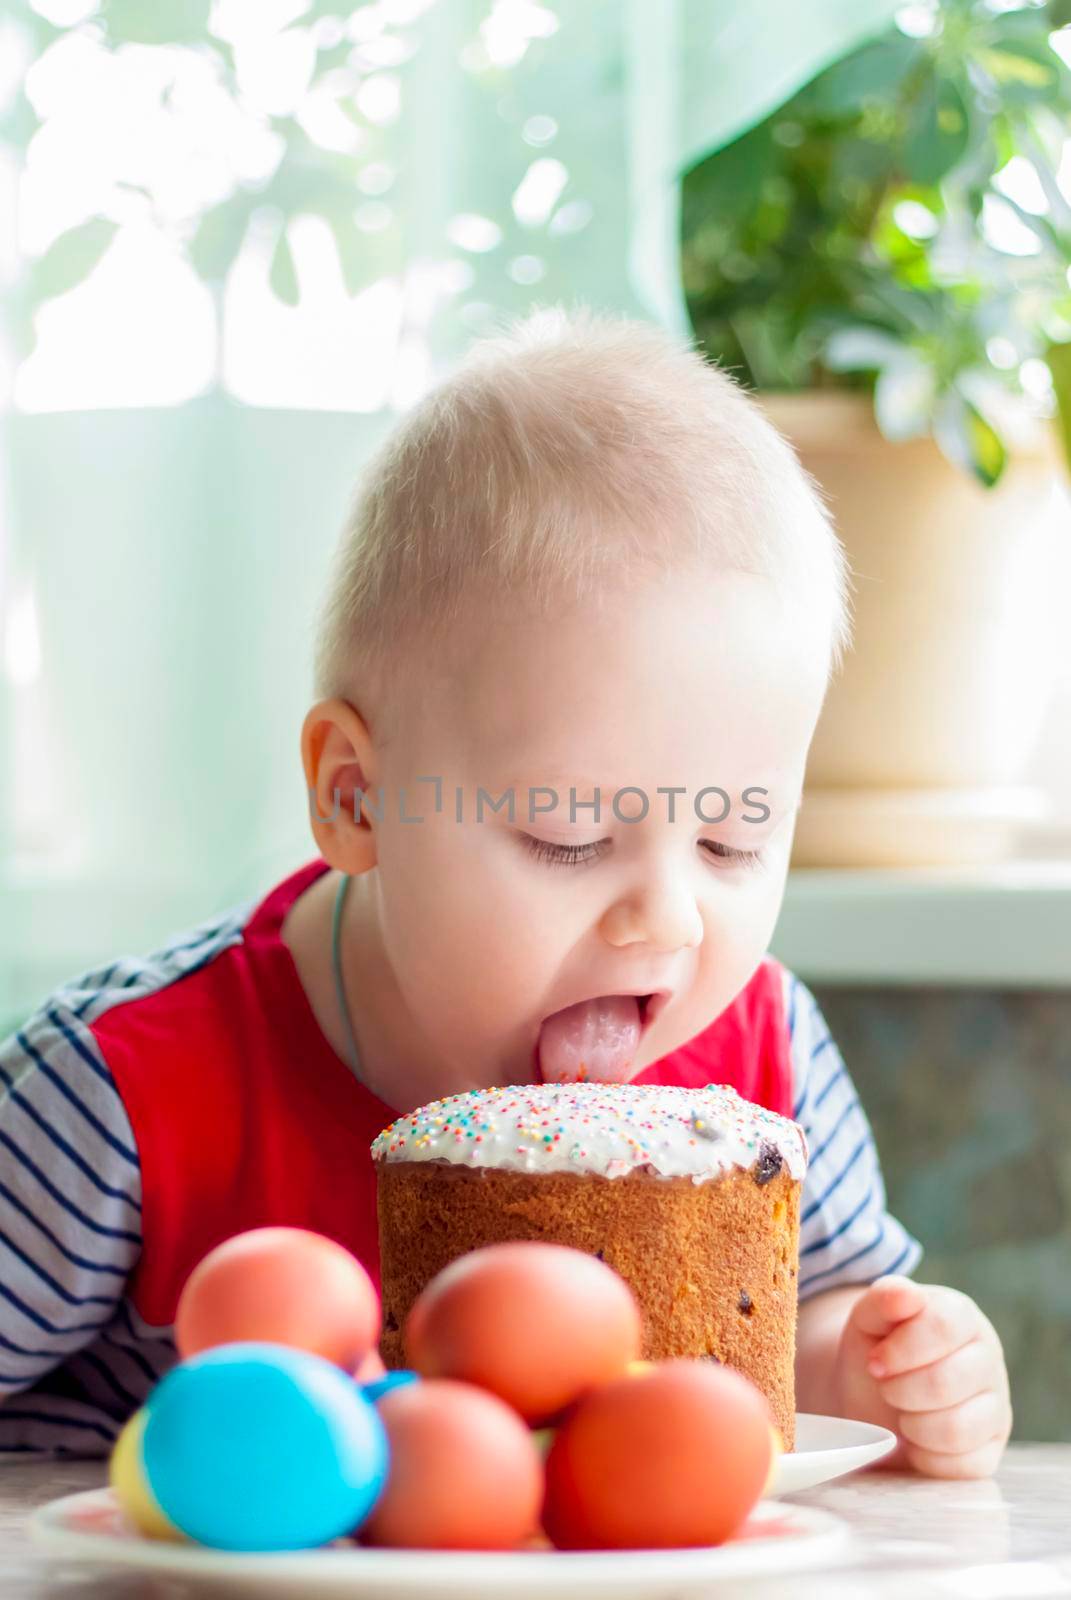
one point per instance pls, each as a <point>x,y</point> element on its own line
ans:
<point>571,659</point>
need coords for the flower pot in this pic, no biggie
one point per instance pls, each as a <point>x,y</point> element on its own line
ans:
<point>919,752</point>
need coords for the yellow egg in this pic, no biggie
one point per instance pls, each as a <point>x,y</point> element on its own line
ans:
<point>126,1474</point>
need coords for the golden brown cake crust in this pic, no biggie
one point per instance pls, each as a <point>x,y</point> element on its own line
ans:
<point>713,1264</point>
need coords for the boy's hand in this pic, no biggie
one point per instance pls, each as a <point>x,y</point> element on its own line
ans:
<point>923,1361</point>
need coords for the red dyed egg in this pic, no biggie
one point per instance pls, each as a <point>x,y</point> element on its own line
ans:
<point>465,1473</point>
<point>677,1455</point>
<point>284,1285</point>
<point>537,1324</point>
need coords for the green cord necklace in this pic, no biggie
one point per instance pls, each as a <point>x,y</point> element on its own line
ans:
<point>336,962</point>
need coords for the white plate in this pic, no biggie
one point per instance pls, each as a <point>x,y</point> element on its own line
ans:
<point>777,1540</point>
<point>828,1447</point>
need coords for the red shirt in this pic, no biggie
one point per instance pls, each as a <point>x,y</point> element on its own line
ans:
<point>244,1116</point>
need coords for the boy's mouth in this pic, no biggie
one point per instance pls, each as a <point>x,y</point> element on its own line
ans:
<point>595,1039</point>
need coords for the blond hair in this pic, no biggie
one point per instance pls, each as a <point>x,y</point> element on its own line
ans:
<point>569,453</point>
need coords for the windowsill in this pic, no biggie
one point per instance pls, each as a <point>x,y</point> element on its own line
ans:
<point>1002,925</point>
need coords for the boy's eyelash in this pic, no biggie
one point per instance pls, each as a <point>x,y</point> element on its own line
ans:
<point>568,855</point>
<point>739,858</point>
<point>565,855</point>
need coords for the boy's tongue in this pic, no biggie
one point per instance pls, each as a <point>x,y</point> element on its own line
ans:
<point>595,1039</point>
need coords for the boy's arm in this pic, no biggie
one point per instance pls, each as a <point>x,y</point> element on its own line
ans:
<point>846,1234</point>
<point>70,1217</point>
<point>818,1331</point>
<point>919,1359</point>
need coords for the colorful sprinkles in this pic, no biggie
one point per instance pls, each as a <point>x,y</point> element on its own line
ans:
<point>610,1129</point>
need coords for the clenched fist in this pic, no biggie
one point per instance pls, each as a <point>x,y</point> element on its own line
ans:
<point>926,1363</point>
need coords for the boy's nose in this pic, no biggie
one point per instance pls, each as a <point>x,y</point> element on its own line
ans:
<point>662,914</point>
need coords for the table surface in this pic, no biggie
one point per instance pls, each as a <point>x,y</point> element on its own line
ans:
<point>1008,1536</point>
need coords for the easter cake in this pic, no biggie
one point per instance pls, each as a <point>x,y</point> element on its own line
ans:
<point>692,1195</point>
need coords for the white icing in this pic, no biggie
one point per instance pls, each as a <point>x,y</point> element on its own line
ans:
<point>610,1129</point>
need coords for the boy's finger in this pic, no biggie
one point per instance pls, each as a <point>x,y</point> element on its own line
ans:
<point>888,1302</point>
<point>957,1430</point>
<point>946,1382</point>
<point>947,1325</point>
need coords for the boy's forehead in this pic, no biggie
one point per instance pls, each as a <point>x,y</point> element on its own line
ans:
<point>725,623</point>
<point>586,747</point>
<point>645,689</point>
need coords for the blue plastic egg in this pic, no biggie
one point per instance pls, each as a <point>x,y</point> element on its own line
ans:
<point>256,1446</point>
<point>394,1380</point>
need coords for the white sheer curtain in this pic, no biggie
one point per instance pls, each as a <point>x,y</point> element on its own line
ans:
<point>177,448</point>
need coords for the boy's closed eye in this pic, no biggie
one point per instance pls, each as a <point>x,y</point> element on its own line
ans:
<point>575,854</point>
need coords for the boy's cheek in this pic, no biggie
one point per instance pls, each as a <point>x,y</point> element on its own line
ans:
<point>446,948</point>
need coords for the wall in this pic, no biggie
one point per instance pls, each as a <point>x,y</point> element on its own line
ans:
<point>969,1092</point>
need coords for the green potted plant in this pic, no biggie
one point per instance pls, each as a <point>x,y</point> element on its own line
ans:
<point>884,259</point>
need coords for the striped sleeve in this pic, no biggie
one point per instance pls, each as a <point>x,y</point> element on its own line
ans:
<point>70,1198</point>
<point>846,1234</point>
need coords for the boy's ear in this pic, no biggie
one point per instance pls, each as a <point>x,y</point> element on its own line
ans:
<point>340,764</point>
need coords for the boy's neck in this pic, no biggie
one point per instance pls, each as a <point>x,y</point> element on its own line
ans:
<point>396,1063</point>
